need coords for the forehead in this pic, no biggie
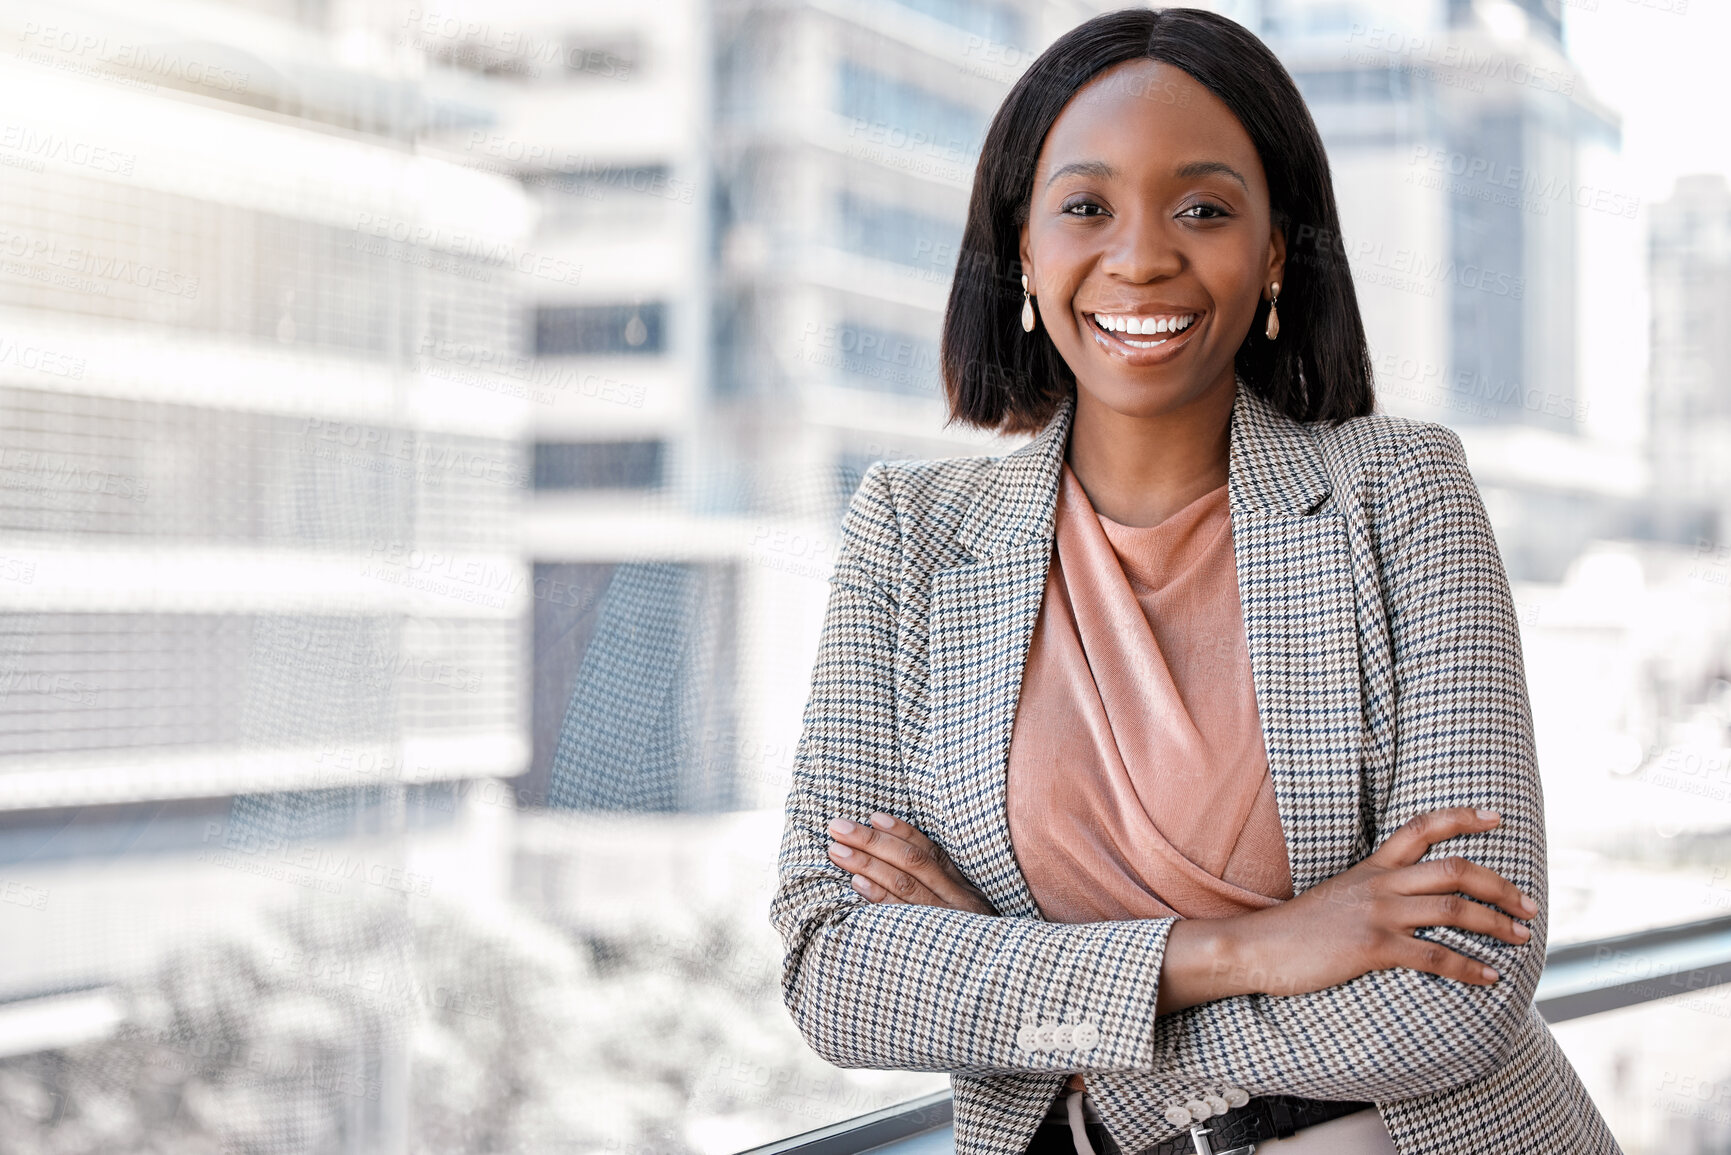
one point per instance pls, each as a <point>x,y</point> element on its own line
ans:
<point>1148,112</point>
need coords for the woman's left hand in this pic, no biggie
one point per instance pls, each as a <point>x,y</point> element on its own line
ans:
<point>893,862</point>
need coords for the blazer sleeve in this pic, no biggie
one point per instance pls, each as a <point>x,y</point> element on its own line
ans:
<point>1463,736</point>
<point>925,988</point>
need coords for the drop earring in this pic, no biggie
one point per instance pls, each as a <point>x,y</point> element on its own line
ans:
<point>1272,330</point>
<point>1027,307</point>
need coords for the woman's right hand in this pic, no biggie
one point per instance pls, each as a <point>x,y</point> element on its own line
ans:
<point>1359,921</point>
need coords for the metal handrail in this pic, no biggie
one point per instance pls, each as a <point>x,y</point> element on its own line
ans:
<point>1590,978</point>
<point>893,1124</point>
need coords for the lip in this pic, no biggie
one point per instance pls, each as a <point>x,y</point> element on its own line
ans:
<point>1114,344</point>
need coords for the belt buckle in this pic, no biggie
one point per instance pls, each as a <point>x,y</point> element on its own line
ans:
<point>1198,1138</point>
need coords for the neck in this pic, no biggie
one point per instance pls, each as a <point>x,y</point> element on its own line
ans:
<point>1139,471</point>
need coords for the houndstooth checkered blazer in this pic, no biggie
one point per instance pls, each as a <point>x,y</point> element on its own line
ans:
<point>1388,673</point>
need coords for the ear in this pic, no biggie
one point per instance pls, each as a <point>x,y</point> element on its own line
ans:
<point>1026,258</point>
<point>1276,257</point>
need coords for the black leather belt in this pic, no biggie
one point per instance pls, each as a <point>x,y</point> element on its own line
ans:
<point>1261,1119</point>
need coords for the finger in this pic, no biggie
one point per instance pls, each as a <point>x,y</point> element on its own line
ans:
<point>1453,910</point>
<point>936,886</point>
<point>873,891</point>
<point>1409,844</point>
<point>1433,958</point>
<point>856,862</point>
<point>909,833</point>
<point>896,884</point>
<point>895,849</point>
<point>927,860</point>
<point>1446,875</point>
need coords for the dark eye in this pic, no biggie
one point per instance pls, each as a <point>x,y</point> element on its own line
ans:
<point>1078,208</point>
<point>1213,211</point>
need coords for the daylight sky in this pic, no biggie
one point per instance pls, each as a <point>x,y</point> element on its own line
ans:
<point>1665,72</point>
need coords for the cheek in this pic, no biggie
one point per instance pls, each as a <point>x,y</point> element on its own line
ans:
<point>1251,268</point>
<point>1060,305</point>
<point>1058,262</point>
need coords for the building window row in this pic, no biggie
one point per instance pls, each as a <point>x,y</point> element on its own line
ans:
<point>84,247</point>
<point>908,116</point>
<point>624,330</point>
<point>129,681</point>
<point>893,233</point>
<point>78,466</point>
<point>599,464</point>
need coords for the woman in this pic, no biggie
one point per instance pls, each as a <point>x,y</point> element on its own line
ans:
<point>1187,749</point>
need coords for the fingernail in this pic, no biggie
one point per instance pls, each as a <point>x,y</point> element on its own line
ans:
<point>840,826</point>
<point>1528,905</point>
<point>1522,932</point>
<point>840,851</point>
<point>1489,975</point>
<point>1489,815</point>
<point>859,884</point>
<point>882,821</point>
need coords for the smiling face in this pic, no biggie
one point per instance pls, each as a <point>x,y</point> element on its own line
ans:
<point>1149,241</point>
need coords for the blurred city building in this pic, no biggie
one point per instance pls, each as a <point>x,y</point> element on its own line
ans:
<point>423,437</point>
<point>264,611</point>
<point>1468,154</point>
<point>1689,447</point>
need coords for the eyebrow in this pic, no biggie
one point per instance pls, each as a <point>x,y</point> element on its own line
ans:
<point>1099,168</point>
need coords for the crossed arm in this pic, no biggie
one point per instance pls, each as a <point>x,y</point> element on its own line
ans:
<point>932,980</point>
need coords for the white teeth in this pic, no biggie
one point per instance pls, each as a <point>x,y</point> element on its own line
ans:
<point>1143,326</point>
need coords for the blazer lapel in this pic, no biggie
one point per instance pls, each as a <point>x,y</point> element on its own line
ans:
<point>1295,584</point>
<point>982,621</point>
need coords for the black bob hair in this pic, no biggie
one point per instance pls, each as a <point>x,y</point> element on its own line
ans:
<point>998,377</point>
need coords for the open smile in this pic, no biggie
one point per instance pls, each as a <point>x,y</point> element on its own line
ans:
<point>1136,336</point>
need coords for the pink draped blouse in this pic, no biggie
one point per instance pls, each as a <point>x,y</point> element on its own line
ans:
<point>1138,782</point>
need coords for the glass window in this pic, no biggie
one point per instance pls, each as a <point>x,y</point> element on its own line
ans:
<point>565,330</point>
<point>927,120</point>
<point>890,232</point>
<point>598,464</point>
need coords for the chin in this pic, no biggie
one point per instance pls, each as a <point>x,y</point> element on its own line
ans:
<point>1144,395</point>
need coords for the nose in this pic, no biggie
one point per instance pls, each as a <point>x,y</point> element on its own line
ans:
<point>1140,247</point>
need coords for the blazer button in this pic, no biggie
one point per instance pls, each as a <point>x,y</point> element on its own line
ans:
<point>1025,1039</point>
<point>1235,1096</point>
<point>1086,1034</point>
<point>1064,1037</point>
<point>1216,1103</point>
<point>1043,1036</point>
<point>1179,1115</point>
<point>1198,1109</point>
